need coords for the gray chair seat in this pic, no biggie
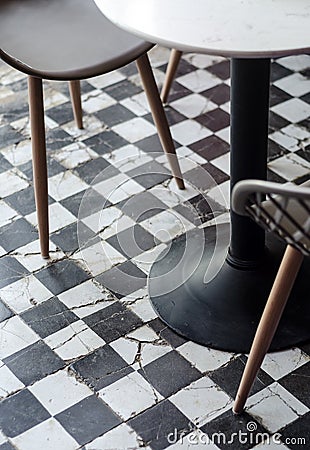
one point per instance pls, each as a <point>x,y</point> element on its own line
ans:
<point>63,40</point>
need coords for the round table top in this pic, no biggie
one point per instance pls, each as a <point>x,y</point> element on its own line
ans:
<point>234,28</point>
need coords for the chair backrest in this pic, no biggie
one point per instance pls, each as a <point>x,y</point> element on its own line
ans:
<point>283,210</point>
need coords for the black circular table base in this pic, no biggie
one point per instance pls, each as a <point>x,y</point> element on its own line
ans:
<point>202,297</point>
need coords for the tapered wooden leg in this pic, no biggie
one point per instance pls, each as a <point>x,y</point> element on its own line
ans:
<point>159,116</point>
<point>36,111</point>
<point>75,93</point>
<point>268,324</point>
<point>173,63</point>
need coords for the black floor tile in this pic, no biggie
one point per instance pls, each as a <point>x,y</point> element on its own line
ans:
<point>219,94</point>
<point>61,113</point>
<point>132,241</point>
<point>5,312</point>
<point>221,69</point>
<point>113,322</point>
<point>123,279</point>
<point>297,435</point>
<point>150,174</point>
<point>88,419</point>
<point>7,446</point>
<point>84,203</point>
<point>49,317</point>
<point>200,209</point>
<point>92,170</point>
<point>74,236</point>
<point>105,142</point>
<point>228,377</point>
<point>57,138</point>
<point>278,71</point>
<point>22,201</point>
<point>278,96</point>
<point>61,276</point>
<point>159,425</point>
<point>26,411</point>
<point>101,368</point>
<point>166,333</point>
<point>276,122</point>
<point>4,164</point>
<point>34,363</point>
<point>170,373</point>
<point>214,120</point>
<point>142,206</point>
<point>122,89</point>
<point>297,383</point>
<point>231,431</point>
<point>10,271</point>
<point>114,115</point>
<point>210,148</point>
<point>9,136</point>
<point>17,234</point>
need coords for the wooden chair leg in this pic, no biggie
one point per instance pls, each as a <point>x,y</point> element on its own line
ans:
<point>36,112</point>
<point>75,93</point>
<point>159,116</point>
<point>173,63</point>
<point>268,324</point>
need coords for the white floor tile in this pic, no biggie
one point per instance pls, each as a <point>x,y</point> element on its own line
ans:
<point>18,154</point>
<point>96,100</point>
<point>7,214</point>
<point>25,293</point>
<point>138,392</point>
<point>10,182</point>
<point>204,358</point>
<point>120,438</point>
<point>59,391</point>
<point>193,105</point>
<point>73,341</point>
<point>49,435</point>
<point>64,185</point>
<point>295,84</point>
<point>99,257</point>
<point>74,154</point>
<point>166,225</point>
<point>9,382</point>
<point>290,166</point>
<point>201,401</point>
<point>135,129</point>
<point>275,407</point>
<point>86,298</point>
<point>30,257</point>
<point>279,364</point>
<point>293,110</point>
<point>14,336</point>
<point>189,131</point>
<point>199,80</point>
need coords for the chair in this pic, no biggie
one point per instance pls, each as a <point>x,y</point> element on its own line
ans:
<point>70,40</point>
<point>173,63</point>
<point>285,212</point>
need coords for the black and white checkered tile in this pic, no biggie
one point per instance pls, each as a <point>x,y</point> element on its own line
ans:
<point>85,362</point>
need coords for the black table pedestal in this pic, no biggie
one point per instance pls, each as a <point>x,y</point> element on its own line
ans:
<point>215,298</point>
<point>224,312</point>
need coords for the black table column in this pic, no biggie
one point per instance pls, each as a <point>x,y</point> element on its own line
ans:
<point>209,291</point>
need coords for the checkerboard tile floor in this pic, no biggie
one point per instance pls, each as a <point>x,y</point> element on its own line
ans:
<point>84,361</point>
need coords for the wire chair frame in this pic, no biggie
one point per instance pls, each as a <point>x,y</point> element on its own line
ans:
<point>297,234</point>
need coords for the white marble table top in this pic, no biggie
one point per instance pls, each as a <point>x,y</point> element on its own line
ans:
<point>236,28</point>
